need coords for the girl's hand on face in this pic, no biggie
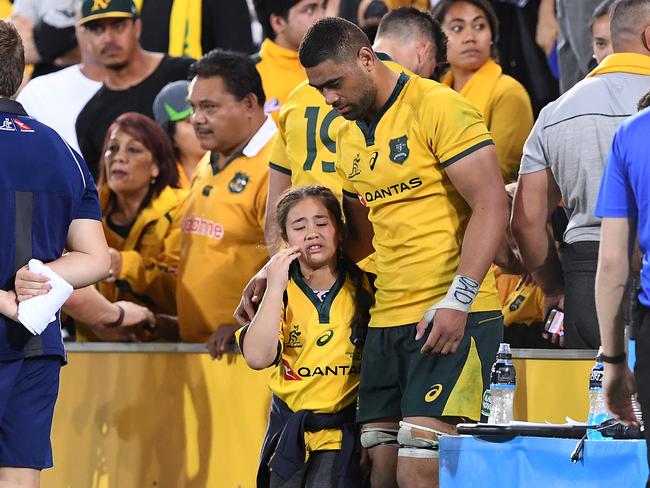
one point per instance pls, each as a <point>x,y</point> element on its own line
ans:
<point>278,267</point>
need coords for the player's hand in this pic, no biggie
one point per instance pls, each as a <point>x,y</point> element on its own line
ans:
<point>251,297</point>
<point>620,386</point>
<point>219,342</point>
<point>9,304</point>
<point>116,265</point>
<point>29,284</point>
<point>550,302</point>
<point>447,331</point>
<point>278,268</point>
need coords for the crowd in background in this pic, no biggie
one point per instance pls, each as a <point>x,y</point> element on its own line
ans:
<point>116,87</point>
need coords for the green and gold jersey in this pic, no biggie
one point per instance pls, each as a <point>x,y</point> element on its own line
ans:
<point>318,367</point>
<point>222,236</point>
<point>305,147</point>
<point>306,144</point>
<point>280,71</point>
<point>396,167</point>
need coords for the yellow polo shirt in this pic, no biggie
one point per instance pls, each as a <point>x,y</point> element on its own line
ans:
<point>222,229</point>
<point>281,72</point>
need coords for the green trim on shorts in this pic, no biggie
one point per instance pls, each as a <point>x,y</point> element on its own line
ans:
<point>398,381</point>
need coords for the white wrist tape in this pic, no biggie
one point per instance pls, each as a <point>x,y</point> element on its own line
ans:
<point>460,296</point>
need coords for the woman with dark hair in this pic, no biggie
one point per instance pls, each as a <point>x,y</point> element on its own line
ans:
<point>472,30</point>
<point>139,195</point>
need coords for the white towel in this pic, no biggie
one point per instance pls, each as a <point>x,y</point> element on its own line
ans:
<point>37,312</point>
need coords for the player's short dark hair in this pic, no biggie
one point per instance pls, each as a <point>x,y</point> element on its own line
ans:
<point>237,70</point>
<point>406,21</point>
<point>441,8</point>
<point>265,8</point>
<point>12,55</point>
<point>331,38</point>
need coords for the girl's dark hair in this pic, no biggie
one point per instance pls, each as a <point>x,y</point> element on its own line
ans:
<point>363,299</point>
<point>151,136</point>
<point>441,8</point>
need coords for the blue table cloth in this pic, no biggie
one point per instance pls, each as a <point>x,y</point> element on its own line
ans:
<point>545,462</point>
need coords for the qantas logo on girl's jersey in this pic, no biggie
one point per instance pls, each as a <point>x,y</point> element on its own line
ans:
<point>289,374</point>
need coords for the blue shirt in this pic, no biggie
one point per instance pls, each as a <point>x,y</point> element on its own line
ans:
<point>625,187</point>
<point>44,186</point>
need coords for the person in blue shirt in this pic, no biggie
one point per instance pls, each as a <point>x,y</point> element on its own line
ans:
<point>48,207</point>
<point>624,205</point>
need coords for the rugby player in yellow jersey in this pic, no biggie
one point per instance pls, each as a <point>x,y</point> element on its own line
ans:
<point>305,150</point>
<point>317,302</point>
<point>419,170</point>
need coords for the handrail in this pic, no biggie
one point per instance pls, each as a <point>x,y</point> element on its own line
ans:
<point>167,347</point>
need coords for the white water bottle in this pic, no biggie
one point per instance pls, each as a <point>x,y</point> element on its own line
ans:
<point>502,387</point>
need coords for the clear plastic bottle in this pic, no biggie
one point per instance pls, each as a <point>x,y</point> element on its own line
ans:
<point>597,410</point>
<point>502,387</point>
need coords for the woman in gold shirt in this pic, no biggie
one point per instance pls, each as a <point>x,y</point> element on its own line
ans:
<point>139,195</point>
<point>472,31</point>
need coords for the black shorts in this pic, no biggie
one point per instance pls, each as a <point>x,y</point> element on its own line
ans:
<point>398,381</point>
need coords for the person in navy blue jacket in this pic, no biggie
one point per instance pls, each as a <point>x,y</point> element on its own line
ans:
<point>49,210</point>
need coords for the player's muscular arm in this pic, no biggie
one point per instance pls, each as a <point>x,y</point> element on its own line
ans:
<point>278,183</point>
<point>477,178</point>
<point>358,244</point>
<point>536,198</point>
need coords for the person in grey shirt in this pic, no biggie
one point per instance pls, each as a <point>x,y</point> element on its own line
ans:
<point>563,161</point>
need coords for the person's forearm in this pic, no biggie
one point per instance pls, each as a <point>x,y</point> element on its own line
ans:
<point>81,269</point>
<point>358,248</point>
<point>540,258</point>
<point>261,341</point>
<point>89,306</point>
<point>360,232</point>
<point>610,289</point>
<point>483,237</point>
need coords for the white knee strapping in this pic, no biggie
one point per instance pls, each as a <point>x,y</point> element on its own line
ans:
<point>378,436</point>
<point>417,446</point>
